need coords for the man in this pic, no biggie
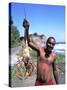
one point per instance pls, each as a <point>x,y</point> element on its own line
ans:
<point>46,60</point>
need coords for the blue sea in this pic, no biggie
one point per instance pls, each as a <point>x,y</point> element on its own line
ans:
<point>60,48</point>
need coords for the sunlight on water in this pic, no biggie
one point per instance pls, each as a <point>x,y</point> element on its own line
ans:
<point>59,48</point>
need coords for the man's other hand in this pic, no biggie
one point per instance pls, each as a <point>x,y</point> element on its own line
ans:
<point>26,24</point>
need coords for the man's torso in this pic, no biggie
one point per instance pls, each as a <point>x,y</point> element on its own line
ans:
<point>44,66</point>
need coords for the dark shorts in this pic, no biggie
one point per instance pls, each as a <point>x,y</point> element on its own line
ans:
<point>38,83</point>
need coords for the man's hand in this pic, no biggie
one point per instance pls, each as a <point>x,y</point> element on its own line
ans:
<point>26,24</point>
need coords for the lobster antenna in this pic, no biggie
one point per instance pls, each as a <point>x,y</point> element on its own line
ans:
<point>25,18</point>
<point>24,13</point>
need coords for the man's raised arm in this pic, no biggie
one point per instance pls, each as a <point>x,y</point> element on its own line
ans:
<point>26,35</point>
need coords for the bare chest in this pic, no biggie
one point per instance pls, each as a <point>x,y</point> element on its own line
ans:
<point>46,60</point>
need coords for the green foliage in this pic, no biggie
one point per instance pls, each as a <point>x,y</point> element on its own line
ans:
<point>15,36</point>
<point>60,58</point>
<point>13,71</point>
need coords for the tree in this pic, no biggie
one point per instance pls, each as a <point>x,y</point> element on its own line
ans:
<point>14,35</point>
<point>35,34</point>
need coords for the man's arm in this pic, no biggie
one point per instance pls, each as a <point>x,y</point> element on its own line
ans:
<point>55,72</point>
<point>26,35</point>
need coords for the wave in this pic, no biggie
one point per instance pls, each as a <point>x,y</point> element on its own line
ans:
<point>60,42</point>
<point>59,48</point>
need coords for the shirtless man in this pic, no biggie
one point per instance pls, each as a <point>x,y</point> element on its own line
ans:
<point>46,61</point>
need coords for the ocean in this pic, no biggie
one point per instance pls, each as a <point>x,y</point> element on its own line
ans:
<point>59,48</point>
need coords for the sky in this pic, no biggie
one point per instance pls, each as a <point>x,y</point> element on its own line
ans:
<point>43,18</point>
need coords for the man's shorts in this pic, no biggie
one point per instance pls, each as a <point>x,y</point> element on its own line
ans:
<point>38,83</point>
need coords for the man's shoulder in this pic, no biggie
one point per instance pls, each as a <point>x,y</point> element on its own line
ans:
<point>54,55</point>
<point>42,48</point>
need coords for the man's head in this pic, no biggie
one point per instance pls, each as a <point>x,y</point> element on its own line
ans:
<point>50,43</point>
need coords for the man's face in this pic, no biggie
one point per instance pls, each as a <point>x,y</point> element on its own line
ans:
<point>50,44</point>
